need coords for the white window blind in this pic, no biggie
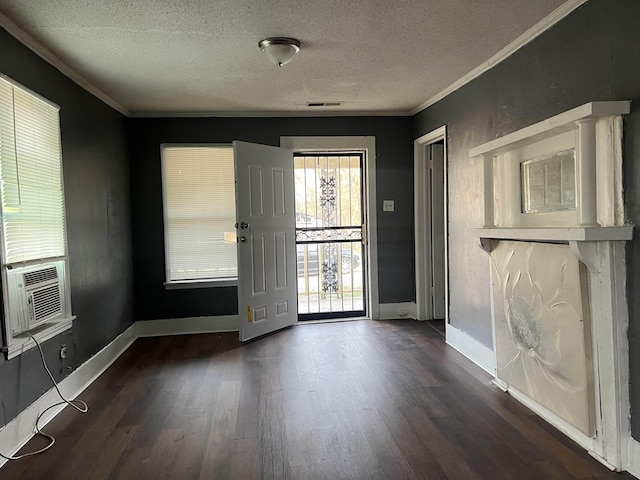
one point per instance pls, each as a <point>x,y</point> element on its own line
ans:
<point>33,217</point>
<point>199,212</point>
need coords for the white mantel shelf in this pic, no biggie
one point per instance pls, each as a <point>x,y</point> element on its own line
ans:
<point>552,126</point>
<point>555,234</point>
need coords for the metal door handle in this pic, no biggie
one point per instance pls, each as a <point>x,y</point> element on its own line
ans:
<point>243,239</point>
<point>244,225</point>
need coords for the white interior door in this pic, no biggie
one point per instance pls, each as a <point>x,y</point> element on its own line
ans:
<point>436,168</point>
<point>266,239</point>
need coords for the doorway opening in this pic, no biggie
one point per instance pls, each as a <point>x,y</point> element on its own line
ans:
<point>330,226</point>
<point>432,288</point>
<point>367,146</point>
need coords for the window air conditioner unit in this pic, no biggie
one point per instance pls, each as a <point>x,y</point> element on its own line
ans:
<point>36,295</point>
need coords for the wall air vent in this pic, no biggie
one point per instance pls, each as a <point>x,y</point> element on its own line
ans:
<point>323,104</point>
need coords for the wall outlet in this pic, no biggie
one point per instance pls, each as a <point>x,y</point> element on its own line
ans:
<point>388,205</point>
<point>403,312</point>
<point>63,351</point>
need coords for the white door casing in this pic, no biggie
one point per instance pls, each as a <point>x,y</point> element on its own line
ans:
<point>266,239</point>
<point>368,145</point>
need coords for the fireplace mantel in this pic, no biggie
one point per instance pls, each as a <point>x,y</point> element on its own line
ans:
<point>592,224</point>
<point>594,131</point>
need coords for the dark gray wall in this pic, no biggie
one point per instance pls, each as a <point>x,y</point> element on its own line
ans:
<point>593,54</point>
<point>394,164</point>
<point>95,163</point>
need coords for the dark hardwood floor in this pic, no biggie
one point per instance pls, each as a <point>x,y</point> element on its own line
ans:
<point>356,400</point>
<point>439,326</point>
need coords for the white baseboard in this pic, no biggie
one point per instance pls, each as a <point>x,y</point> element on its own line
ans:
<point>186,326</point>
<point>394,311</point>
<point>21,429</point>
<point>468,346</point>
<point>633,458</point>
<point>569,430</point>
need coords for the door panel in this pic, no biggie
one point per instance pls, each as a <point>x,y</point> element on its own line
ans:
<point>255,190</point>
<point>258,265</point>
<point>281,261</point>
<point>278,192</point>
<point>266,234</point>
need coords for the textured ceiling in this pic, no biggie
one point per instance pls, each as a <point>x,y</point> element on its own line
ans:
<point>376,56</point>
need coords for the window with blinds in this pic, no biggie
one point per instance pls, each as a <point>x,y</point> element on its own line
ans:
<point>199,212</point>
<point>33,217</point>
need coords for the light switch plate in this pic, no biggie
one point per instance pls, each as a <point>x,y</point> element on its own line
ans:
<point>388,205</point>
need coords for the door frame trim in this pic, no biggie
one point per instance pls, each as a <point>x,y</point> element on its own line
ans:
<point>368,144</point>
<point>422,222</point>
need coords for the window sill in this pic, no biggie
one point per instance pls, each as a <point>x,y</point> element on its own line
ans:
<point>22,343</point>
<point>189,284</point>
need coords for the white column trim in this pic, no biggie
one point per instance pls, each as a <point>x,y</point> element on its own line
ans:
<point>586,183</point>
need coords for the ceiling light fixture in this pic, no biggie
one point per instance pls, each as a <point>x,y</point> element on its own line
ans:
<point>279,50</point>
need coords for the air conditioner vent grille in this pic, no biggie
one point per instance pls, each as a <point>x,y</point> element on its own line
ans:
<point>39,276</point>
<point>46,302</point>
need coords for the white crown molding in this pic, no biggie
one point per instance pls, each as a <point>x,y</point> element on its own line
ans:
<point>542,26</point>
<point>48,56</point>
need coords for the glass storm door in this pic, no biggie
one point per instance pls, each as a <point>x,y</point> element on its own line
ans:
<point>329,235</point>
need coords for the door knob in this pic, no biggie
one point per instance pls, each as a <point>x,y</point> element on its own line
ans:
<point>244,225</point>
<point>243,239</point>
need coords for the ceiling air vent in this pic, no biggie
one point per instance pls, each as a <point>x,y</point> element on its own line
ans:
<point>324,104</point>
